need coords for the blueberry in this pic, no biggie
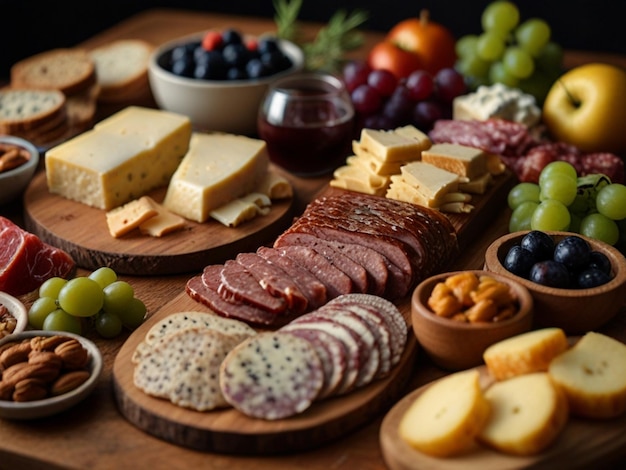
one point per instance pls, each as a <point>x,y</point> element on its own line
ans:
<point>592,277</point>
<point>268,45</point>
<point>235,73</point>
<point>550,273</point>
<point>232,36</point>
<point>255,68</point>
<point>539,243</point>
<point>600,261</point>
<point>519,261</point>
<point>183,67</point>
<point>235,54</point>
<point>573,252</point>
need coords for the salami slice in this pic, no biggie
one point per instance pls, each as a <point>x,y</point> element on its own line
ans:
<point>272,375</point>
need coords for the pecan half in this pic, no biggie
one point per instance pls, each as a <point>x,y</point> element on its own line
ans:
<point>74,355</point>
<point>48,343</point>
<point>30,390</point>
<point>17,353</point>
<point>69,381</point>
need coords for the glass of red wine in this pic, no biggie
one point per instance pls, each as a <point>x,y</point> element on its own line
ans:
<point>307,121</point>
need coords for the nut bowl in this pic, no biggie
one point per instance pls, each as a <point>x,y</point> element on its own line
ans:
<point>214,105</point>
<point>24,410</point>
<point>13,315</point>
<point>456,345</point>
<point>576,311</point>
<point>14,181</point>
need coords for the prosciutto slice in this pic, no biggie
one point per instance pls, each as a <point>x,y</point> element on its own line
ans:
<point>26,261</point>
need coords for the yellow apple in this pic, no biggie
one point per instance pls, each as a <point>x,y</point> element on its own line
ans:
<point>586,107</point>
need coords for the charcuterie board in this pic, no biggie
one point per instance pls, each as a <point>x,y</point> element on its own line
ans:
<point>82,231</point>
<point>582,444</point>
<point>229,431</point>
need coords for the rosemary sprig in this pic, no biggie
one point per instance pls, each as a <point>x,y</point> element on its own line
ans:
<point>327,51</point>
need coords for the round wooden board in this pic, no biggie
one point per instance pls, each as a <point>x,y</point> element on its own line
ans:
<point>229,431</point>
<point>82,231</point>
<point>583,444</point>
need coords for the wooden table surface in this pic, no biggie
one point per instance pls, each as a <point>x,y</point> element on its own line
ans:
<point>94,435</point>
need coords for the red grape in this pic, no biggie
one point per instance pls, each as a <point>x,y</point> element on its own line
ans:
<point>420,85</point>
<point>382,81</point>
<point>355,73</point>
<point>426,113</point>
<point>449,84</point>
<point>366,99</point>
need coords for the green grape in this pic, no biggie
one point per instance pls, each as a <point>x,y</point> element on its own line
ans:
<point>522,215</point>
<point>60,320</point>
<point>500,16</point>
<point>490,46</point>
<point>537,85</point>
<point>39,310</point>
<point>81,297</point>
<point>473,66</point>
<point>557,168</point>
<point>465,46</point>
<point>103,276</point>
<point>533,35</point>
<point>559,187</point>
<point>611,201</point>
<point>575,220</point>
<point>499,74</point>
<point>517,62</point>
<point>550,215</point>
<point>117,296</point>
<point>134,313</point>
<point>108,325</point>
<point>600,227</point>
<point>522,192</point>
<point>550,59</point>
<point>580,205</point>
<point>51,287</point>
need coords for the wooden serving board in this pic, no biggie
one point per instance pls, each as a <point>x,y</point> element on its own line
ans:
<point>583,444</point>
<point>229,431</point>
<point>82,231</point>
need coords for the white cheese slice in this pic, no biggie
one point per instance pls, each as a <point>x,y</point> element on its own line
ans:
<point>217,169</point>
<point>390,146</point>
<point>358,178</point>
<point>431,181</point>
<point>372,163</point>
<point>133,152</point>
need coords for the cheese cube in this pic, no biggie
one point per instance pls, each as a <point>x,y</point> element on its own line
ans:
<point>431,181</point>
<point>127,156</point>
<point>390,146</point>
<point>357,178</point>
<point>372,163</point>
<point>468,162</point>
<point>217,169</point>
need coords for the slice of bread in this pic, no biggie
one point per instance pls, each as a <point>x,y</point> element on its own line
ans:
<point>25,110</point>
<point>525,353</point>
<point>528,412</point>
<point>593,375</point>
<point>65,69</point>
<point>122,69</point>
<point>445,419</point>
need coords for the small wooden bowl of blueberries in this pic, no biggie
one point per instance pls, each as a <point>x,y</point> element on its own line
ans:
<point>577,283</point>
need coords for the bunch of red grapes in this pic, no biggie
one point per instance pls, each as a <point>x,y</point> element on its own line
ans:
<point>382,101</point>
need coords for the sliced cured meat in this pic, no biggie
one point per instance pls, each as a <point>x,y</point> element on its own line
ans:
<point>336,281</point>
<point>26,261</point>
<point>272,375</point>
<point>310,286</point>
<point>332,353</point>
<point>237,283</point>
<point>203,289</point>
<point>352,343</point>
<point>388,312</point>
<point>373,262</point>
<point>274,280</point>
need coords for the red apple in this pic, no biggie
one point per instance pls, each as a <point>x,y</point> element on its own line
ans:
<point>387,55</point>
<point>586,107</point>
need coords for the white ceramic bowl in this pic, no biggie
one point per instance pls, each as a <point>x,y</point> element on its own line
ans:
<point>17,309</point>
<point>214,105</point>
<point>14,182</point>
<point>50,406</point>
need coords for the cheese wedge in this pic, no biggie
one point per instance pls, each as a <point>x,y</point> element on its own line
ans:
<point>217,169</point>
<point>121,159</point>
<point>467,162</point>
<point>444,420</point>
<point>390,146</point>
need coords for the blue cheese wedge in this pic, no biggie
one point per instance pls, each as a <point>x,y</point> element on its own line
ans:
<point>121,159</point>
<point>217,169</point>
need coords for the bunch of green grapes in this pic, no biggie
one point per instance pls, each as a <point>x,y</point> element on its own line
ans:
<point>519,55</point>
<point>110,303</point>
<point>590,205</point>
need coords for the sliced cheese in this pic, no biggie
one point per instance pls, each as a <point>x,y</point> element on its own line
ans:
<point>163,223</point>
<point>275,186</point>
<point>129,154</point>
<point>455,202</point>
<point>372,163</point>
<point>131,215</point>
<point>390,146</point>
<point>413,133</point>
<point>235,212</point>
<point>217,169</point>
<point>477,185</point>
<point>467,162</point>
<point>431,181</point>
<point>358,178</point>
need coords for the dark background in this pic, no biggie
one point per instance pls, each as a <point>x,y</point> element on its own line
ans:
<point>29,27</point>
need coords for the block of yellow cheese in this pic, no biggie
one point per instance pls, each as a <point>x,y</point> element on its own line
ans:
<point>467,162</point>
<point>430,180</point>
<point>217,169</point>
<point>390,146</point>
<point>123,158</point>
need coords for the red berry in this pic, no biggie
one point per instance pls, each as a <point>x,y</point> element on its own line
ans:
<point>252,44</point>
<point>383,81</point>
<point>420,85</point>
<point>449,84</point>
<point>212,40</point>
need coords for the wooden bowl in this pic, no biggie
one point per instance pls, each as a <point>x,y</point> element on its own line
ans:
<point>576,311</point>
<point>17,310</point>
<point>454,345</point>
